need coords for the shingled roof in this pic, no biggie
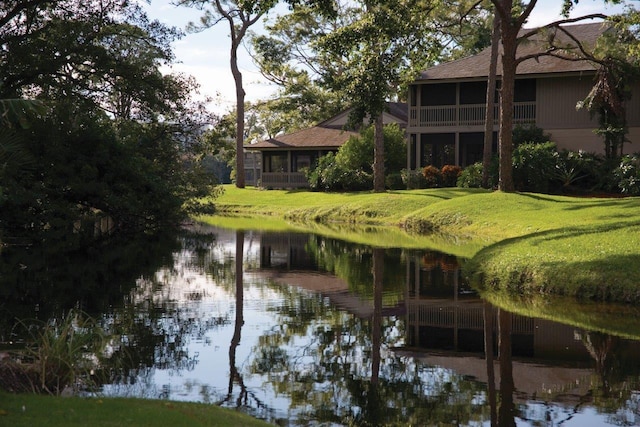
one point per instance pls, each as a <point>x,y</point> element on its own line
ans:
<point>328,134</point>
<point>314,137</point>
<point>477,66</point>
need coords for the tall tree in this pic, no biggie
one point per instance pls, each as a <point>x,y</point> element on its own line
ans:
<point>289,57</point>
<point>487,150</point>
<point>513,15</point>
<point>240,16</point>
<point>378,50</point>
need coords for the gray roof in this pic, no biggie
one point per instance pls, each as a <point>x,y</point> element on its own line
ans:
<point>477,66</point>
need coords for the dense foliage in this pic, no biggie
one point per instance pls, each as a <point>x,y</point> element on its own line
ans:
<point>116,138</point>
<point>351,168</point>
<point>541,168</point>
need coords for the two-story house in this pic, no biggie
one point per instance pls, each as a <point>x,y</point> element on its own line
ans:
<point>447,103</point>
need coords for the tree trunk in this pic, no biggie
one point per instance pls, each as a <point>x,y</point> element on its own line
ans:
<point>491,91</point>
<point>376,339</point>
<point>506,413</point>
<point>378,156</point>
<point>237,77</point>
<point>509,36</point>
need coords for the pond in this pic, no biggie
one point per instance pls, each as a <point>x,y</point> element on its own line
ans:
<point>299,329</point>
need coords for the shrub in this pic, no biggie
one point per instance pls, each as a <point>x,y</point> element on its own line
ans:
<point>534,166</point>
<point>606,180</point>
<point>576,170</point>
<point>357,180</point>
<point>529,134</point>
<point>357,152</point>
<point>331,175</point>
<point>471,176</point>
<point>628,175</point>
<point>450,174</point>
<point>432,175</point>
<point>395,181</point>
<point>62,353</point>
<point>413,179</point>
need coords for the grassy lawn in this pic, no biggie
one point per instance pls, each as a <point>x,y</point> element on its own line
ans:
<point>37,410</point>
<point>522,243</point>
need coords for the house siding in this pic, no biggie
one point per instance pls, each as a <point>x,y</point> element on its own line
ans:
<point>557,99</point>
<point>573,129</point>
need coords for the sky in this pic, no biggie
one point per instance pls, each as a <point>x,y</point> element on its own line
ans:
<point>205,55</point>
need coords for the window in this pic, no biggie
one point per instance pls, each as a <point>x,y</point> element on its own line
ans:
<point>438,94</point>
<point>412,152</point>
<point>438,149</point>
<point>472,147</point>
<point>301,161</point>
<point>473,93</point>
<point>276,162</point>
<point>524,90</point>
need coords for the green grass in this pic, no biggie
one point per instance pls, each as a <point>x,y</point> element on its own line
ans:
<point>522,243</point>
<point>361,207</point>
<point>38,410</point>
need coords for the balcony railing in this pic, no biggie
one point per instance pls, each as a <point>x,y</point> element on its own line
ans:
<point>284,179</point>
<point>467,115</point>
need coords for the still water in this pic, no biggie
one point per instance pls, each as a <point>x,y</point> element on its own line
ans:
<point>299,330</point>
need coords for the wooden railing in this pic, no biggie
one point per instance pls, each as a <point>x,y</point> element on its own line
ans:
<point>467,115</point>
<point>462,316</point>
<point>284,179</point>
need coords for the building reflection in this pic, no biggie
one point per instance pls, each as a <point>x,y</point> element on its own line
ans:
<point>286,251</point>
<point>300,260</point>
<point>446,324</point>
<point>444,313</point>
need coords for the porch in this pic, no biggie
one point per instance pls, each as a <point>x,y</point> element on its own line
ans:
<point>466,115</point>
<point>284,180</point>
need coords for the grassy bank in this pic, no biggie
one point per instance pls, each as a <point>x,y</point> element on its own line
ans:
<point>518,242</point>
<point>38,410</point>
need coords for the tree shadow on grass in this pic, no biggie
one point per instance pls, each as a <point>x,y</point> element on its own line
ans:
<point>595,202</point>
<point>601,275</point>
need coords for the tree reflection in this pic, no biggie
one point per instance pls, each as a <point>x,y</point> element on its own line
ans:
<point>47,278</point>
<point>347,372</point>
<point>234,375</point>
<point>348,366</point>
<point>507,409</point>
<point>488,315</point>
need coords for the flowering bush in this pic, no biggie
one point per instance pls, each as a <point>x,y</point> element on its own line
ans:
<point>450,174</point>
<point>432,175</point>
<point>628,174</point>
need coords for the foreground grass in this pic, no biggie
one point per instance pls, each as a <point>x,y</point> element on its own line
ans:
<point>37,410</point>
<point>517,242</point>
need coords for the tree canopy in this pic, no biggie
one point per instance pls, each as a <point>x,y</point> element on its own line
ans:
<point>116,133</point>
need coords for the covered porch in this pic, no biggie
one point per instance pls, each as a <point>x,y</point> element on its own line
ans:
<point>286,168</point>
<point>285,158</point>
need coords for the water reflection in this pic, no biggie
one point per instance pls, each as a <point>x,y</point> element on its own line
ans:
<point>303,330</point>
